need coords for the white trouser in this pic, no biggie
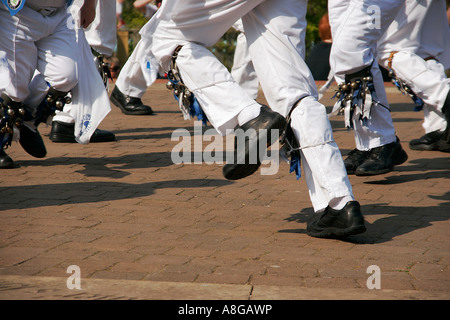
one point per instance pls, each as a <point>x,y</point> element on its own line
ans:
<point>101,33</point>
<point>356,27</point>
<point>90,101</point>
<point>242,70</point>
<point>34,42</point>
<point>275,34</point>
<point>132,82</point>
<point>139,72</point>
<point>428,81</point>
<point>434,119</point>
<point>5,75</point>
<point>408,37</point>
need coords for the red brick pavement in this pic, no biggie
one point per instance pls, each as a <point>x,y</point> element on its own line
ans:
<point>130,218</point>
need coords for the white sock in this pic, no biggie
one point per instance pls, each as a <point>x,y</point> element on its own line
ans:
<point>249,113</point>
<point>339,203</point>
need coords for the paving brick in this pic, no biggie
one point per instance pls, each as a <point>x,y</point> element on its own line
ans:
<point>126,214</point>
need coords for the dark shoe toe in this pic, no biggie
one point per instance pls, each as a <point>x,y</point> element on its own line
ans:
<point>102,136</point>
<point>32,142</point>
<point>5,161</point>
<point>427,142</point>
<point>129,105</point>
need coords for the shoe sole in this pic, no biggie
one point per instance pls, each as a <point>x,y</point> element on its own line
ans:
<point>61,138</point>
<point>331,233</point>
<point>373,173</point>
<point>428,147</point>
<point>58,138</point>
<point>423,147</point>
<point>138,113</point>
<point>96,140</point>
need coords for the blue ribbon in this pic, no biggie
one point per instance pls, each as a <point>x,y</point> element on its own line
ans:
<point>418,101</point>
<point>356,99</point>
<point>4,140</point>
<point>295,165</point>
<point>195,110</point>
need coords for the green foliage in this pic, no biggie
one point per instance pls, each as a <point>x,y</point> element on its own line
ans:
<point>133,18</point>
<point>224,48</point>
<point>316,9</point>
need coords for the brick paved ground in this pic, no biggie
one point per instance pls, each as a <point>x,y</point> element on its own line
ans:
<point>141,227</point>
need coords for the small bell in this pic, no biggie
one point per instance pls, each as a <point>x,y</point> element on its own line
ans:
<point>59,104</point>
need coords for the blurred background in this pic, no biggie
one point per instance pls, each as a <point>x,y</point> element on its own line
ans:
<point>132,16</point>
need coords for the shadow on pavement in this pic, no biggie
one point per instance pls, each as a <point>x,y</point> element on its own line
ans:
<point>88,192</point>
<point>397,221</point>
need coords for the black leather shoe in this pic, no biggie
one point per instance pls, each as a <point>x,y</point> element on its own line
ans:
<point>382,159</point>
<point>427,142</point>
<point>129,105</point>
<point>32,142</point>
<point>444,143</point>
<point>64,132</point>
<point>337,223</point>
<point>354,159</point>
<point>246,160</point>
<point>5,161</point>
<point>102,136</point>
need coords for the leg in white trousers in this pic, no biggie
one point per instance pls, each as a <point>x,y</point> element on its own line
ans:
<point>243,71</point>
<point>132,81</point>
<point>40,43</point>
<point>408,37</point>
<point>275,35</point>
<point>101,36</point>
<point>356,27</point>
